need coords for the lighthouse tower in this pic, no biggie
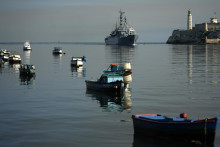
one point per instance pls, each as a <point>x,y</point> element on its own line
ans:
<point>189,20</point>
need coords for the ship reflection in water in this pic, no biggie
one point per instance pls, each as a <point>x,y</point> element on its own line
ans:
<point>110,101</point>
<point>120,54</point>
<point>27,57</point>
<point>78,71</point>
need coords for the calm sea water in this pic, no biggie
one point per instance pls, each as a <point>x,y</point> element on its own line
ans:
<point>55,109</point>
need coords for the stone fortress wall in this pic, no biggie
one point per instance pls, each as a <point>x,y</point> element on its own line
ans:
<point>201,33</point>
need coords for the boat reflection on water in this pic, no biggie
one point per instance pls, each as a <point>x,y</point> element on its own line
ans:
<point>27,80</point>
<point>57,59</point>
<point>112,101</point>
<point>78,71</point>
<point>15,67</point>
<point>142,141</point>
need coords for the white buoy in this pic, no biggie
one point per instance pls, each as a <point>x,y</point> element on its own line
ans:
<point>127,66</point>
<point>127,79</point>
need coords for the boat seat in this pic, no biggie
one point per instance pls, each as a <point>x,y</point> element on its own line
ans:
<point>153,117</point>
<point>178,119</point>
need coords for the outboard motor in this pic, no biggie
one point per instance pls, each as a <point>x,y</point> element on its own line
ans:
<point>84,58</point>
<point>183,115</point>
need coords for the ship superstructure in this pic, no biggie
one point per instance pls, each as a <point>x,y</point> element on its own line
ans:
<point>124,34</point>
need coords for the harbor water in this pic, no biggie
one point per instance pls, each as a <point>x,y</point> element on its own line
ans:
<point>55,108</point>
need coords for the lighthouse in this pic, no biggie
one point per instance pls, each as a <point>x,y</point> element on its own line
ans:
<point>189,20</point>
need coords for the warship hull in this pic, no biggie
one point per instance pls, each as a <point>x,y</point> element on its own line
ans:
<point>116,40</point>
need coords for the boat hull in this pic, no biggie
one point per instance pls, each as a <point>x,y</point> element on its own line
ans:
<point>5,58</point>
<point>76,62</point>
<point>26,48</point>
<point>113,86</point>
<point>14,61</point>
<point>57,52</point>
<point>27,72</point>
<point>115,40</point>
<point>201,130</point>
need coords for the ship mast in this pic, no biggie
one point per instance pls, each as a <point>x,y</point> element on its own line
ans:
<point>121,17</point>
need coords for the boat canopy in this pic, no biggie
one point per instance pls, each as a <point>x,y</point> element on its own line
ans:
<point>110,74</point>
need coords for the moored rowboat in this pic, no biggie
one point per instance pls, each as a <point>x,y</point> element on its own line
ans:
<point>202,130</point>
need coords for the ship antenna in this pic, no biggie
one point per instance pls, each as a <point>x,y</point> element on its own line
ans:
<point>125,20</point>
<point>121,17</point>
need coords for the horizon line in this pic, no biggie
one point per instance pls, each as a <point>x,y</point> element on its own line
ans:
<point>64,42</point>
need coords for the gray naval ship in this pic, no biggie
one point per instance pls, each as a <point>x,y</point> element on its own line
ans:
<point>123,34</point>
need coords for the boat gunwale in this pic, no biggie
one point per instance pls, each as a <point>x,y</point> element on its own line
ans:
<point>102,83</point>
<point>208,120</point>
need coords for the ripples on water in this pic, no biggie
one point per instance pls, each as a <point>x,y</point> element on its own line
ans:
<point>55,109</point>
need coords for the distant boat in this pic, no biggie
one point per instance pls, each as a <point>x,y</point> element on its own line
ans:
<point>14,59</point>
<point>57,50</point>
<point>27,45</point>
<point>4,54</point>
<point>78,61</point>
<point>180,128</point>
<point>27,70</point>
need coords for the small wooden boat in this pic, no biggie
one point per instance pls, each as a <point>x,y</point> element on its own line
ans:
<point>107,82</point>
<point>57,50</point>
<point>202,130</point>
<point>27,45</point>
<point>27,70</point>
<point>78,61</point>
<point>14,59</point>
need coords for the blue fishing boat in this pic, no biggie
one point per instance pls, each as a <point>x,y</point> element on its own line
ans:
<point>113,79</point>
<point>107,82</point>
<point>202,130</point>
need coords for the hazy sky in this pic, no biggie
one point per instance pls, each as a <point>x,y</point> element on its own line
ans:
<point>93,20</point>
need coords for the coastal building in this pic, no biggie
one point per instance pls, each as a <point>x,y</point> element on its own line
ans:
<point>203,33</point>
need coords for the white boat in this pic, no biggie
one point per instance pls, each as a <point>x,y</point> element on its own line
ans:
<point>14,59</point>
<point>76,61</point>
<point>27,45</point>
<point>4,54</point>
<point>57,50</point>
